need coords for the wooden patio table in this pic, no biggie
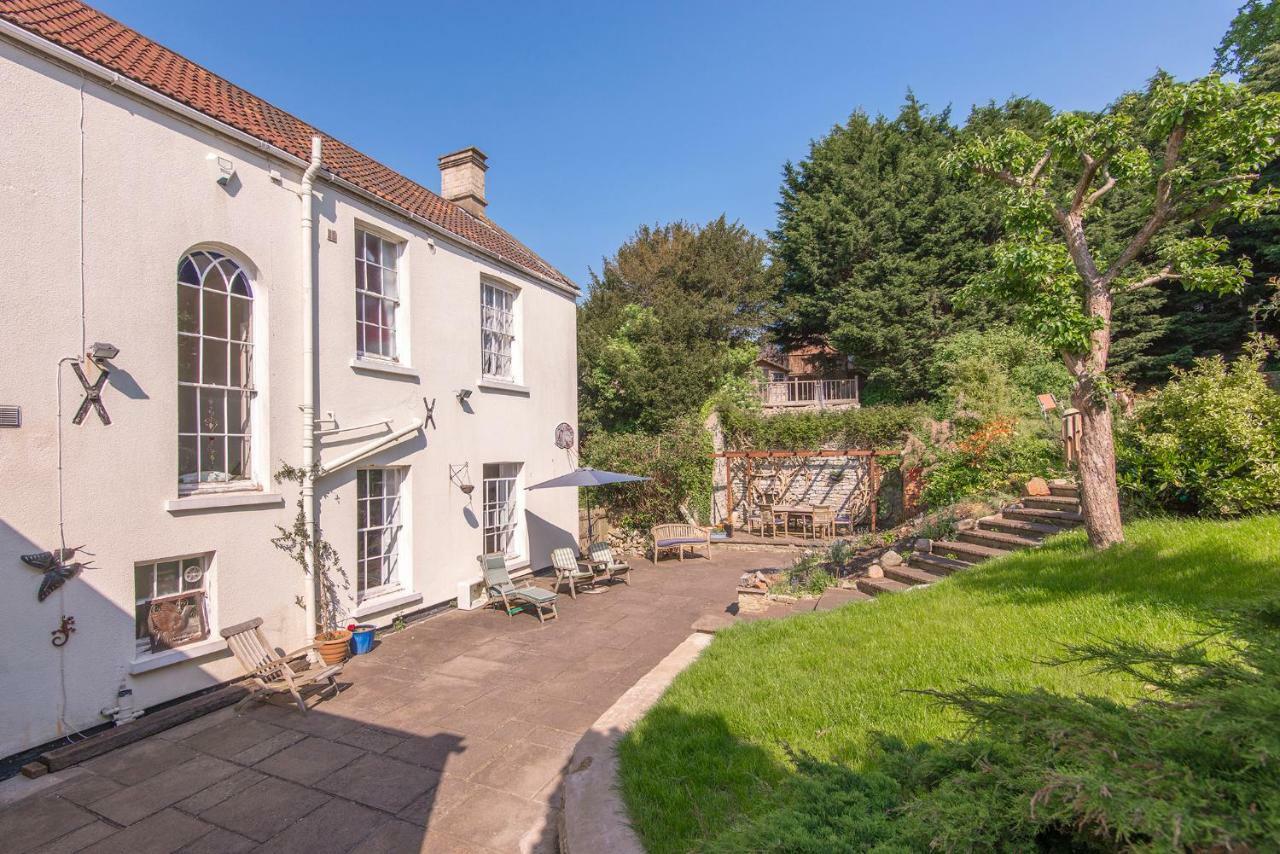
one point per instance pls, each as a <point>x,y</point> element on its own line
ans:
<point>787,511</point>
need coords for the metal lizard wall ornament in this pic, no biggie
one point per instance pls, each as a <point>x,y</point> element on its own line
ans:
<point>62,634</point>
<point>55,568</point>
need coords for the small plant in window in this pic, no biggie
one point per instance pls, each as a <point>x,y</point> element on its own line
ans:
<point>301,541</point>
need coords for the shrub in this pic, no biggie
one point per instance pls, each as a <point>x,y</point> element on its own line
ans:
<point>993,458</point>
<point>883,427</point>
<point>1206,443</point>
<point>997,373</point>
<point>679,462</point>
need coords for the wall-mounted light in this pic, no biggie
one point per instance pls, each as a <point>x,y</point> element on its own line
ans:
<point>100,352</point>
<point>224,169</point>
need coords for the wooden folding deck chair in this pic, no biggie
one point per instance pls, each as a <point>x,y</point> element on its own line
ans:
<point>515,598</point>
<point>602,560</point>
<point>270,673</point>
<point>571,570</point>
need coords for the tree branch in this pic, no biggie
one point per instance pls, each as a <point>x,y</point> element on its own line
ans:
<point>1039,167</point>
<point>1164,275</point>
<point>1160,214</point>
<point>1087,175</point>
<point>1099,193</point>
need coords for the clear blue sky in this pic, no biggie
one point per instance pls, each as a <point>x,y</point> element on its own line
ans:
<point>598,117</point>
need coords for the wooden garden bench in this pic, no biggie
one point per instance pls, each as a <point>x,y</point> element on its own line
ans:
<point>271,673</point>
<point>678,535</point>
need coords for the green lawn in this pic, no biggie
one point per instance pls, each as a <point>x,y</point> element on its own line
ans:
<point>715,746</point>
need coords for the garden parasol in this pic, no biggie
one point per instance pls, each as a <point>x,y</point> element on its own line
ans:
<point>588,477</point>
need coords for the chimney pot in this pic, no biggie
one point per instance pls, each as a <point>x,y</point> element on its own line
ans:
<point>462,178</point>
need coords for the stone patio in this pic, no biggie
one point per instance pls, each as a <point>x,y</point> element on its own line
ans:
<point>450,737</point>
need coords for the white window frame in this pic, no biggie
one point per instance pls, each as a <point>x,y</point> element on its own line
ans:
<point>375,303</point>
<point>142,647</point>
<point>499,332</point>
<point>502,508</point>
<point>388,530</point>
<point>191,424</point>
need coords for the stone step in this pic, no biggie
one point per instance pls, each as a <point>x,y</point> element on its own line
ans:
<point>1050,502</point>
<point>996,539</point>
<point>936,564</point>
<point>1061,518</point>
<point>1020,527</point>
<point>910,575</point>
<point>1069,490</point>
<point>834,597</point>
<point>880,586</point>
<point>967,551</point>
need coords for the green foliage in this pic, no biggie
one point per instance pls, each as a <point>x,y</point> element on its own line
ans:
<point>997,373</point>
<point>1001,467</point>
<point>1189,151</point>
<point>306,546</point>
<point>1207,443</point>
<point>1253,31</point>
<point>882,427</point>
<point>670,321</point>
<point>679,462</point>
<point>875,241</point>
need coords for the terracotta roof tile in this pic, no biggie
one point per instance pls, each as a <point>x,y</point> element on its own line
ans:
<point>105,41</point>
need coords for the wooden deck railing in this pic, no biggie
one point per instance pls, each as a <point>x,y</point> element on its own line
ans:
<point>815,393</point>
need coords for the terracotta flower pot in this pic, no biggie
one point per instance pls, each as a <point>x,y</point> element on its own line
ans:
<point>334,647</point>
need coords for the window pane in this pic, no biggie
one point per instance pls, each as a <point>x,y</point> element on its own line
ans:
<point>213,459</point>
<point>237,466</point>
<point>241,318</point>
<point>187,272</point>
<point>194,567</point>
<point>214,321</point>
<point>142,581</point>
<point>240,284</point>
<point>373,280</point>
<point>188,460</point>
<point>188,309</point>
<point>187,412</point>
<point>213,410</point>
<point>188,358</point>
<point>167,578</point>
<point>241,369</point>
<point>213,363</point>
<point>389,287</point>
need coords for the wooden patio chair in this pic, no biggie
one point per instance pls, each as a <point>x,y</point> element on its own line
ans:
<point>271,673</point>
<point>824,521</point>
<point>764,520</point>
<point>571,570</point>
<point>516,597</point>
<point>603,561</point>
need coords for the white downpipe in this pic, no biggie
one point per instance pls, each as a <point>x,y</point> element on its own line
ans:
<point>309,374</point>
<point>373,447</point>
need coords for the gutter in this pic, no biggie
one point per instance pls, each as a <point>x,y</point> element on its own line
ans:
<point>373,447</point>
<point>118,81</point>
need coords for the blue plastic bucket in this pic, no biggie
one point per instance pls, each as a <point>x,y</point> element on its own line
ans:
<point>362,639</point>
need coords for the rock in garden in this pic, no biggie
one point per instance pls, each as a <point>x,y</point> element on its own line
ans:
<point>891,558</point>
<point>1037,486</point>
<point>874,571</point>
<point>923,544</point>
<point>966,524</point>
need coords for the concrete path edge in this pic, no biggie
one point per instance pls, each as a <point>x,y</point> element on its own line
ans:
<point>595,818</point>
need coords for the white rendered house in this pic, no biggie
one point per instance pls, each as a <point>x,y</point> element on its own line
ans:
<point>275,297</point>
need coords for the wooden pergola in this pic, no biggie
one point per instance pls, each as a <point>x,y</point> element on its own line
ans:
<point>847,453</point>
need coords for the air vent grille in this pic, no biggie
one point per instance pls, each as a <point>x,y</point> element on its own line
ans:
<point>10,416</point>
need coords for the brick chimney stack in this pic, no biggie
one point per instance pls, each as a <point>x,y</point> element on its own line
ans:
<point>462,179</point>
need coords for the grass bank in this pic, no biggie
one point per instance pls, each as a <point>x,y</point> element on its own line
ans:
<point>717,746</point>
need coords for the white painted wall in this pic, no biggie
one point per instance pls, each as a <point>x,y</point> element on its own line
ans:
<point>149,196</point>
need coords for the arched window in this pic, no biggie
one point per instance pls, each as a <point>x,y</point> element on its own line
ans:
<point>215,370</point>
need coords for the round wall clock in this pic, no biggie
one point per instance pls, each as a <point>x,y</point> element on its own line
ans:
<point>564,436</point>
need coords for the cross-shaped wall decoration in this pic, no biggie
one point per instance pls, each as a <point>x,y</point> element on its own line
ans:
<point>92,394</point>
<point>430,420</point>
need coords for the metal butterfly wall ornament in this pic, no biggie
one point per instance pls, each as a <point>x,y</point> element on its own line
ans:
<point>55,568</point>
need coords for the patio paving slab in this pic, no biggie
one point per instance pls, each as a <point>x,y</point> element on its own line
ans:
<point>450,738</point>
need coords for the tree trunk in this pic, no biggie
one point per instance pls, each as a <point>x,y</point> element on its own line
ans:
<point>1099,495</point>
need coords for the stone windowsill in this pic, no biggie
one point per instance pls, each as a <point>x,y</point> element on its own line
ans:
<point>491,384</point>
<point>148,661</point>
<point>196,501</point>
<point>399,599</point>
<point>377,366</point>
